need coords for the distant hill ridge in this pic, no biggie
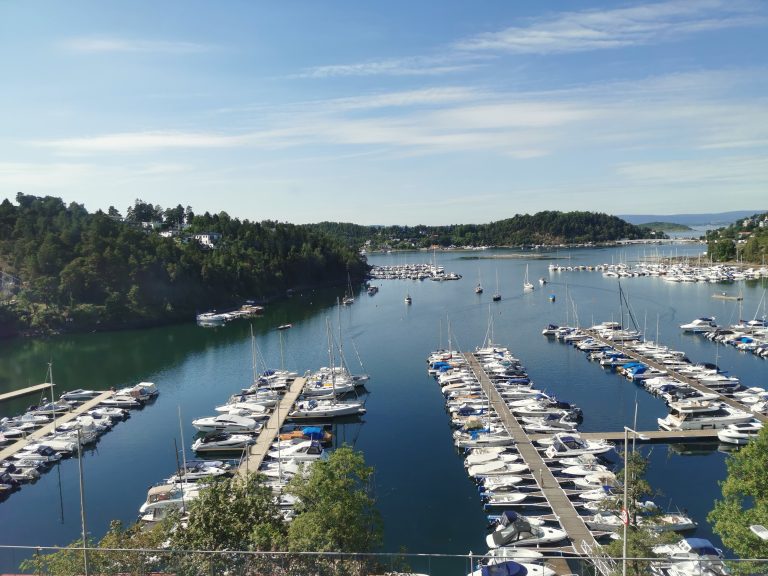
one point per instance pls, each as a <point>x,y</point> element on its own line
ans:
<point>711,219</point>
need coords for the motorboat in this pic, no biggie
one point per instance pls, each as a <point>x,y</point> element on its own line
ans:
<point>509,498</point>
<point>701,415</point>
<point>19,473</point>
<point>567,445</point>
<point>700,325</point>
<point>201,469</point>
<point>740,434</point>
<point>690,557</point>
<point>481,457</point>
<point>518,531</point>
<point>79,395</point>
<point>502,567</point>
<point>121,401</point>
<point>38,453</point>
<point>227,423</point>
<point>301,451</point>
<point>143,391</point>
<point>495,468</point>
<point>111,412</point>
<point>222,442</point>
<point>316,409</point>
<point>253,410</point>
<point>596,480</point>
<point>500,481</point>
<point>169,496</point>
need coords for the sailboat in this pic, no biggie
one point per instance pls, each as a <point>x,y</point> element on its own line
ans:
<point>407,298</point>
<point>479,287</point>
<point>349,297</point>
<point>527,285</point>
<point>497,294</point>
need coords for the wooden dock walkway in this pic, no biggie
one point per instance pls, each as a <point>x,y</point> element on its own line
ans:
<point>12,449</point>
<point>558,501</point>
<point>693,383</point>
<point>25,391</point>
<point>258,451</point>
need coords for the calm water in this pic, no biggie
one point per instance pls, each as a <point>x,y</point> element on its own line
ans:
<point>428,503</point>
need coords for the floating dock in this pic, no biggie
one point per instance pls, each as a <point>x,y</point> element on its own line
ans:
<point>25,391</point>
<point>256,453</point>
<point>693,383</point>
<point>12,449</point>
<point>573,524</point>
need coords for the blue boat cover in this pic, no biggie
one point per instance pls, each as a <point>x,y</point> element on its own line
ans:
<point>507,517</point>
<point>313,432</point>
<point>702,546</point>
<point>508,568</point>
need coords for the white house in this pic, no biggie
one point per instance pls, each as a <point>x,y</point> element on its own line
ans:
<point>208,239</point>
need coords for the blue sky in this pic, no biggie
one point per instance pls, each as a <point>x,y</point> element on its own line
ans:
<point>392,112</point>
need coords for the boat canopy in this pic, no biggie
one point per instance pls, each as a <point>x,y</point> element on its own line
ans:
<point>702,546</point>
<point>313,432</point>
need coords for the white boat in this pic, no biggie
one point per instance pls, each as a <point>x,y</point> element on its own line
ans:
<point>527,284</point>
<point>520,532</point>
<point>408,299</point>
<point>210,319</point>
<point>701,415</point>
<point>171,496</point>
<point>142,391</point>
<point>566,445</point>
<point>254,410</point>
<point>312,409</point>
<point>508,499</point>
<point>496,468</point>
<point>302,451</point>
<point>501,481</point>
<point>740,434</point>
<point>690,557</point>
<point>201,469</point>
<point>488,457</point>
<point>700,325</point>
<point>79,395</point>
<point>502,566</point>
<point>227,423</point>
<point>222,442</point>
<point>596,480</point>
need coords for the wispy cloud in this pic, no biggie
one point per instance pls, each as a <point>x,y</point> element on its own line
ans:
<point>412,66</point>
<point>677,113</point>
<point>106,44</point>
<point>607,29</point>
<point>141,142</point>
<point>719,171</point>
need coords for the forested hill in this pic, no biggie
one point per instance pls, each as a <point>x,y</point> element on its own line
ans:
<point>541,228</point>
<point>69,268</point>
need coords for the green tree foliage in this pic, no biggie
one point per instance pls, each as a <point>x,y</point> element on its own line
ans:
<point>240,514</point>
<point>337,511</point>
<point>745,240</point>
<point>745,499</point>
<point>236,513</point>
<point>548,227</point>
<point>641,536</point>
<point>110,556</point>
<point>80,270</point>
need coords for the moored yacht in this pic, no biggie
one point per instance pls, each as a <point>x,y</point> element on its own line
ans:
<point>700,325</point>
<point>701,415</point>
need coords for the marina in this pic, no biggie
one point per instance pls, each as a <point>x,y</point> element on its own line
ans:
<point>194,369</point>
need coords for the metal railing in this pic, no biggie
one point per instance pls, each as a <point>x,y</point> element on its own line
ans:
<point>79,561</point>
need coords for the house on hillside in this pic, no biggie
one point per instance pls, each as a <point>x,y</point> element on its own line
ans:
<point>208,239</point>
